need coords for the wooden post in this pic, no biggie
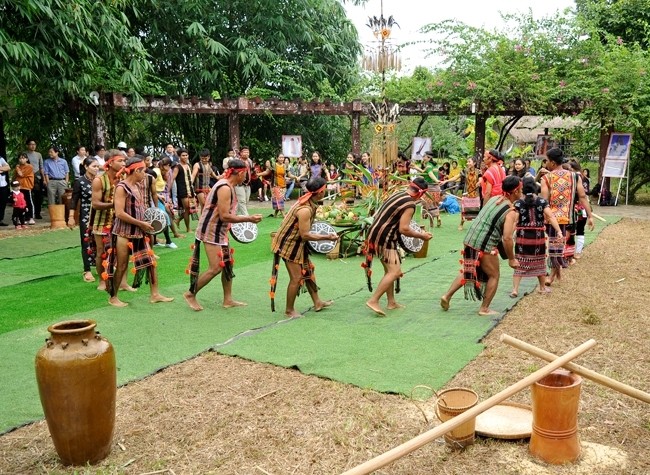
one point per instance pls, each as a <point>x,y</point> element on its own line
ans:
<point>233,129</point>
<point>479,137</point>
<point>356,132</point>
<point>422,439</point>
<point>97,127</point>
<point>602,153</point>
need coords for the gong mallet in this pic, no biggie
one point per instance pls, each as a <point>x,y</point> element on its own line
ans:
<point>581,370</point>
<point>431,435</point>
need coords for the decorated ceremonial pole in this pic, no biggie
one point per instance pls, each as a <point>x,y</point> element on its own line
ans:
<point>431,435</point>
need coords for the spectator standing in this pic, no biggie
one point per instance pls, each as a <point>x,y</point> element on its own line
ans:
<point>24,174</point>
<point>77,159</point>
<point>56,175</point>
<point>36,161</point>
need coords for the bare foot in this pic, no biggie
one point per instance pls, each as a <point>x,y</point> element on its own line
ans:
<point>102,286</point>
<point>157,298</point>
<point>128,288</point>
<point>115,302</point>
<point>179,236</point>
<point>394,306</point>
<point>376,308</point>
<point>190,298</point>
<point>544,291</point>
<point>292,314</point>
<point>234,303</point>
<point>487,313</point>
<point>514,294</point>
<point>323,303</point>
<point>444,303</point>
<point>89,277</point>
<point>460,228</point>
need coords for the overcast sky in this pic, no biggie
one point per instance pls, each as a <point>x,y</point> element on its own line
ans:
<point>413,14</point>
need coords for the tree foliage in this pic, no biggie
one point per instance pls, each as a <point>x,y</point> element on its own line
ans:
<point>290,47</point>
<point>547,67</point>
<point>69,47</point>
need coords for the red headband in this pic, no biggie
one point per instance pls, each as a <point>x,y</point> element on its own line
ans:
<point>519,186</point>
<point>135,166</point>
<point>307,196</point>
<point>231,170</point>
<point>418,191</point>
<point>107,164</point>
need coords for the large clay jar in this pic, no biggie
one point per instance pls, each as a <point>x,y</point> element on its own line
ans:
<point>556,398</point>
<point>75,371</point>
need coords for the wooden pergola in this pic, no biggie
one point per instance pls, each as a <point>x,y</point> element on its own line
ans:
<point>235,108</point>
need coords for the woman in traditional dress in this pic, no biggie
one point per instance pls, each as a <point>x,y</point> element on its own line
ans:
<point>82,196</point>
<point>432,198</point>
<point>470,203</point>
<point>277,178</point>
<point>530,236</point>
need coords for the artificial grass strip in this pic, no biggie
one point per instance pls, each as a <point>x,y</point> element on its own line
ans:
<point>26,246</point>
<point>420,344</point>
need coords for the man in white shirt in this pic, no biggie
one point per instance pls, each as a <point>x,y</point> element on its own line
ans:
<point>77,160</point>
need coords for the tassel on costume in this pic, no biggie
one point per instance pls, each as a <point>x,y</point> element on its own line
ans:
<point>194,266</point>
<point>274,279</point>
<point>367,264</point>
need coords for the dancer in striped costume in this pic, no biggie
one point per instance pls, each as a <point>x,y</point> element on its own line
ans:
<point>128,236</point>
<point>290,245</point>
<point>216,218</point>
<point>494,226</point>
<point>392,219</point>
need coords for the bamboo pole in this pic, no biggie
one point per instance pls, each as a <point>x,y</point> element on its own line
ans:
<point>598,217</point>
<point>422,439</point>
<point>581,370</point>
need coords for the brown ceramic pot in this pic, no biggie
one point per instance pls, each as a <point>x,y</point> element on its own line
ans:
<point>76,376</point>
<point>556,398</point>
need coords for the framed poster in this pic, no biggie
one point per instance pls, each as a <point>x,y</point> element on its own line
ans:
<point>292,146</point>
<point>420,145</point>
<point>615,168</point>
<point>619,146</point>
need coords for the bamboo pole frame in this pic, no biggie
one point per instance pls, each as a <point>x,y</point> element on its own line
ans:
<point>581,370</point>
<point>431,435</point>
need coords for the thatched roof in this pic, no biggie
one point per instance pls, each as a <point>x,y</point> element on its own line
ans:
<point>529,127</point>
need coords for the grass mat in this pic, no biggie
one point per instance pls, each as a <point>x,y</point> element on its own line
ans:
<point>417,345</point>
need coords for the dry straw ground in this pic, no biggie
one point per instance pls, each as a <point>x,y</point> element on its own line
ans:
<point>222,415</point>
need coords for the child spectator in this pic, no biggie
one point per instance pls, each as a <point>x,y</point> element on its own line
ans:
<point>20,206</point>
<point>24,174</point>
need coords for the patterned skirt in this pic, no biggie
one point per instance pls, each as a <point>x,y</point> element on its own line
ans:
<point>530,251</point>
<point>470,207</point>
<point>474,278</point>
<point>556,259</point>
<point>277,198</point>
<point>432,200</point>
